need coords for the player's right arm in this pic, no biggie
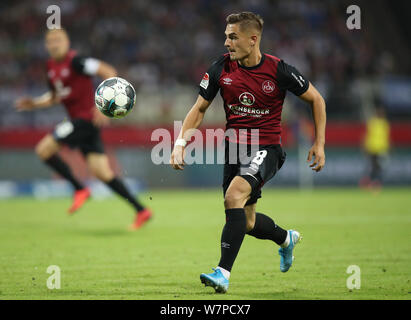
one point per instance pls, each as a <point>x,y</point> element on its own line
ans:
<point>44,101</point>
<point>209,86</point>
<point>192,121</point>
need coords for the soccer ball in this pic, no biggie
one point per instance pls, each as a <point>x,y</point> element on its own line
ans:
<point>115,97</point>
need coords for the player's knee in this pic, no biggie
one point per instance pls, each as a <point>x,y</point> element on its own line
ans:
<point>43,150</point>
<point>101,173</point>
<point>39,150</point>
<point>234,199</point>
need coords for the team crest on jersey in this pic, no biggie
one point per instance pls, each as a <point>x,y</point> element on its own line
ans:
<point>204,82</point>
<point>247,99</point>
<point>268,86</point>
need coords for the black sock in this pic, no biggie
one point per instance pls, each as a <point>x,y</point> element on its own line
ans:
<point>265,228</point>
<point>118,186</point>
<point>63,169</point>
<point>232,237</point>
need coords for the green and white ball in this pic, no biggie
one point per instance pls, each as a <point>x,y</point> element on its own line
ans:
<point>115,97</point>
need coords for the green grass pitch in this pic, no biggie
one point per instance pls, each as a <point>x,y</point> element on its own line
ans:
<point>100,259</point>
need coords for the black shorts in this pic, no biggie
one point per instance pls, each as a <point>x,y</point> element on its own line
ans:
<point>261,165</point>
<point>79,133</point>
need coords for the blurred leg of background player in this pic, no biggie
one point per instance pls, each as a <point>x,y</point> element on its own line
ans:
<point>47,150</point>
<point>99,165</point>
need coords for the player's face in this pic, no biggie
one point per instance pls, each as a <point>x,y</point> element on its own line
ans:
<point>238,43</point>
<point>57,44</point>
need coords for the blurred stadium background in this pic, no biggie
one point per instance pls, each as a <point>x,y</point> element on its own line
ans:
<point>164,47</point>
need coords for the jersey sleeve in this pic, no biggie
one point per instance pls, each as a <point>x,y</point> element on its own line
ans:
<point>209,85</point>
<point>85,65</point>
<point>289,78</point>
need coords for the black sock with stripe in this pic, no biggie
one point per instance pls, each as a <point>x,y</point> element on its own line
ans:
<point>58,165</point>
<point>118,186</point>
<point>232,237</point>
<point>266,229</point>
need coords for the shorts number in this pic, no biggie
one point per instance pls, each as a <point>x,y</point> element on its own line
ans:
<point>64,129</point>
<point>259,158</point>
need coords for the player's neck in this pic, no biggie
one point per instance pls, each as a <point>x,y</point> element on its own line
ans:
<point>61,58</point>
<point>253,59</point>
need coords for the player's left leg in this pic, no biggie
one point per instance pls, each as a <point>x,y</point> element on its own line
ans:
<point>99,165</point>
<point>263,227</point>
<point>376,172</point>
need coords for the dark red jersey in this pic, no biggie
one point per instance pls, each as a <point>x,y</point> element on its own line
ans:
<point>73,87</point>
<point>253,96</point>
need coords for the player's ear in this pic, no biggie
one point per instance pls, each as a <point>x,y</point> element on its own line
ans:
<point>253,40</point>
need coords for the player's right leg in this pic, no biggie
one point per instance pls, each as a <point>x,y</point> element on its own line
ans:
<point>233,234</point>
<point>47,147</point>
<point>47,150</point>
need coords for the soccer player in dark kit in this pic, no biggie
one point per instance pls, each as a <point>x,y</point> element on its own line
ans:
<point>253,87</point>
<point>70,82</point>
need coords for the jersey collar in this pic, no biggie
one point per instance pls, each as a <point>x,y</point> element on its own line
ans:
<point>253,67</point>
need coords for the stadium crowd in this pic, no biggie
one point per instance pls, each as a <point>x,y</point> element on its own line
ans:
<point>161,44</point>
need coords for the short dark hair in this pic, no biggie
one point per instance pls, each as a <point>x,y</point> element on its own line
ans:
<point>246,20</point>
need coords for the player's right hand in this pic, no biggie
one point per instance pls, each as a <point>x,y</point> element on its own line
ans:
<point>24,104</point>
<point>177,158</point>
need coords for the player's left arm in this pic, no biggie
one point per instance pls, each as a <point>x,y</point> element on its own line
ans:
<point>95,67</point>
<point>289,78</point>
<point>104,71</point>
<point>317,103</point>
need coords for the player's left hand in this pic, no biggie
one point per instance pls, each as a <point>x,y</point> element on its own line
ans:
<point>99,119</point>
<point>319,157</point>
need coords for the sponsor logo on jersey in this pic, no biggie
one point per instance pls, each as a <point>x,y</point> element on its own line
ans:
<point>246,99</point>
<point>227,81</point>
<point>268,86</point>
<point>246,111</point>
<point>204,82</point>
<point>65,72</point>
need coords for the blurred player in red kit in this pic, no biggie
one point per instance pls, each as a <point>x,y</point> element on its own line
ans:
<point>70,81</point>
